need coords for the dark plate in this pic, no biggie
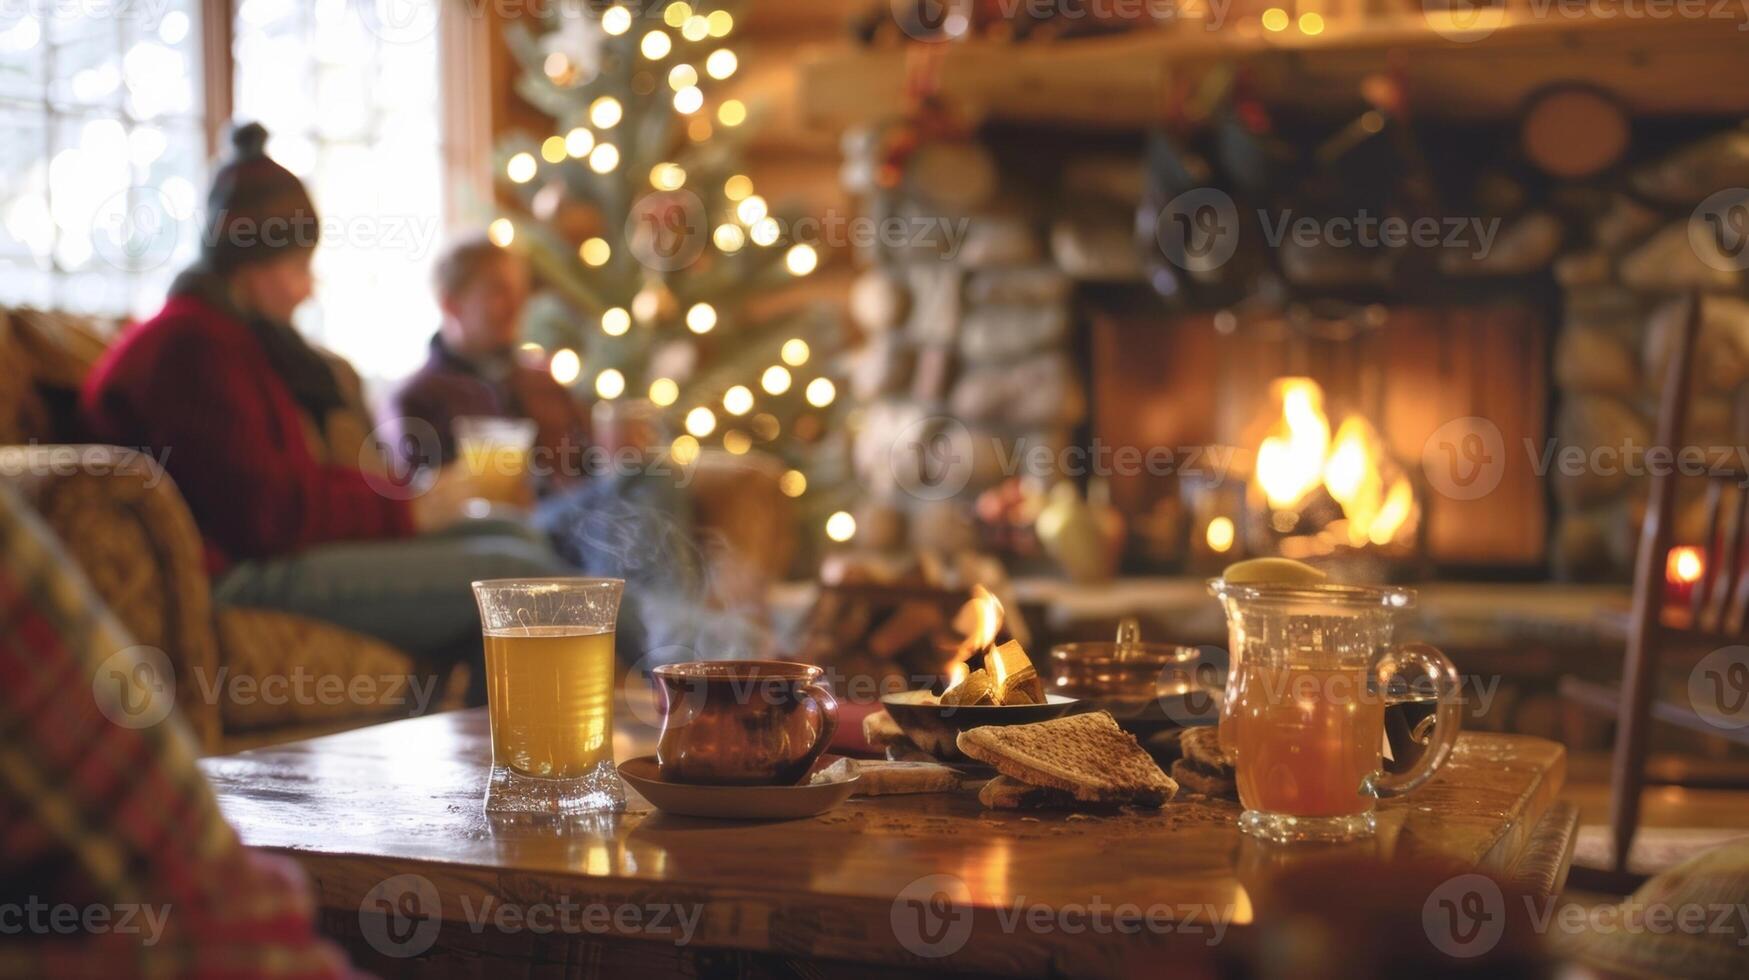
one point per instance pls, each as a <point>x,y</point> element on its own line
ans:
<point>738,802</point>
<point>935,727</point>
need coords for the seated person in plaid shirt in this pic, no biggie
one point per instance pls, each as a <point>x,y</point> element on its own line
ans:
<point>114,860</point>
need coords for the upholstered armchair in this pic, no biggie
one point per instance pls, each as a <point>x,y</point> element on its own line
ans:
<point>122,521</point>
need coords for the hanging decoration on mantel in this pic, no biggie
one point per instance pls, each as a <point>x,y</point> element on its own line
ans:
<point>667,272</point>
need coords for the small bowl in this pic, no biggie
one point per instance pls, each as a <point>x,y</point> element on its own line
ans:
<point>805,799</point>
<point>1141,687</point>
<point>934,727</point>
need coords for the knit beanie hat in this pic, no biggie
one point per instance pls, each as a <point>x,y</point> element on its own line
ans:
<point>257,210</point>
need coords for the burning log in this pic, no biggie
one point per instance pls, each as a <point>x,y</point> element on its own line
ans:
<point>1007,675</point>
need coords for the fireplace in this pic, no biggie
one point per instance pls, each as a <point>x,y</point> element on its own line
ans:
<point>1417,426</point>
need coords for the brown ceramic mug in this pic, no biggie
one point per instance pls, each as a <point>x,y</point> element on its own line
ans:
<point>742,722</point>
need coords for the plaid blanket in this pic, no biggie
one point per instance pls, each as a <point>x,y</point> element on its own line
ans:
<point>114,859</point>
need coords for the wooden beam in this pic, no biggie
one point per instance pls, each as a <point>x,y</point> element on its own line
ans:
<point>1655,67</point>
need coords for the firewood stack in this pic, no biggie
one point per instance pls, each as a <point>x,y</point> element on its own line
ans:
<point>894,624</point>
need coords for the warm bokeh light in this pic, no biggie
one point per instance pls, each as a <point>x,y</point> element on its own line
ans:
<point>701,318</point>
<point>729,238</point>
<point>606,112</point>
<point>656,45</point>
<point>701,422</point>
<point>667,177</point>
<point>566,366</point>
<point>737,188</point>
<point>733,112</point>
<point>682,76</point>
<point>604,158</point>
<point>695,28</point>
<point>684,450</point>
<point>558,67</point>
<point>795,352</point>
<point>501,232</point>
<point>578,142</point>
<point>610,384</point>
<point>1685,566</point>
<point>675,14</point>
<point>793,483</point>
<point>751,209</point>
<point>821,391</point>
<point>801,260</point>
<point>616,321</point>
<point>595,252</point>
<point>765,426</point>
<point>1220,535</point>
<point>737,442</point>
<point>552,149</point>
<point>664,392</point>
<point>738,400</point>
<point>616,20</point>
<point>765,231</point>
<point>1275,19</point>
<point>841,527</point>
<point>721,64</point>
<point>1311,23</point>
<point>521,168</point>
<point>776,380</point>
<point>688,100</point>
<point>719,23</point>
<point>646,304</point>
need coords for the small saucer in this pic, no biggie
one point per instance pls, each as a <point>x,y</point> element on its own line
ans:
<point>742,802</point>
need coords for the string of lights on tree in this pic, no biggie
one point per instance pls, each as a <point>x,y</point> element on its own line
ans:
<point>653,246</point>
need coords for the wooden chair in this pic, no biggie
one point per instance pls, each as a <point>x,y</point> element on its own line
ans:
<point>1714,618</point>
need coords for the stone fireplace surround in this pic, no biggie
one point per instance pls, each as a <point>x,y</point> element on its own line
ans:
<point>1037,328</point>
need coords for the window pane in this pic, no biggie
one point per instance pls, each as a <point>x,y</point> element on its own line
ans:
<point>352,107</point>
<point>101,156</point>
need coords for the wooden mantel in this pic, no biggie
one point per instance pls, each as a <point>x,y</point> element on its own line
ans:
<point>1655,66</point>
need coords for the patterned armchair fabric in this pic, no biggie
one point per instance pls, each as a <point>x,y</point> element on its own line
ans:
<point>121,518</point>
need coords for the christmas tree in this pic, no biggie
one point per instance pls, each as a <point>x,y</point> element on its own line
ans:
<point>651,242</point>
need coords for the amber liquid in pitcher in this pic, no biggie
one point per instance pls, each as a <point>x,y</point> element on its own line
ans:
<point>1307,738</point>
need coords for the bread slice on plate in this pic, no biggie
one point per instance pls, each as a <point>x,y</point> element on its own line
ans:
<point>1085,755</point>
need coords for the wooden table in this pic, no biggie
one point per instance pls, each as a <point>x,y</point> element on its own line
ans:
<point>860,890</point>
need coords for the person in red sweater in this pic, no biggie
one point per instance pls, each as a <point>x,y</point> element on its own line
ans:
<point>269,442</point>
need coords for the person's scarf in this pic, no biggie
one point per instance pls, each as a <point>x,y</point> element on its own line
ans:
<point>301,367</point>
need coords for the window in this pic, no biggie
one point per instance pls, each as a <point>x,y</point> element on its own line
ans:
<point>102,167</point>
<point>350,97</point>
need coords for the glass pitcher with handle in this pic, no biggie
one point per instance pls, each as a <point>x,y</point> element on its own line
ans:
<point>1304,716</point>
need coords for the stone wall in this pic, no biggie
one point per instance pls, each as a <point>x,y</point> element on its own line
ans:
<point>1641,251</point>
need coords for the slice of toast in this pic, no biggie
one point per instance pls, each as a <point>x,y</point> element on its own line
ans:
<point>1084,755</point>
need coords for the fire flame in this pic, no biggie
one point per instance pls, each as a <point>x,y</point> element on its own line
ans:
<point>1299,455</point>
<point>984,612</point>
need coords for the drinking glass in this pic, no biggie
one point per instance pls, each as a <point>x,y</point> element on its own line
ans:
<point>1305,707</point>
<point>550,674</point>
<point>496,450</point>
